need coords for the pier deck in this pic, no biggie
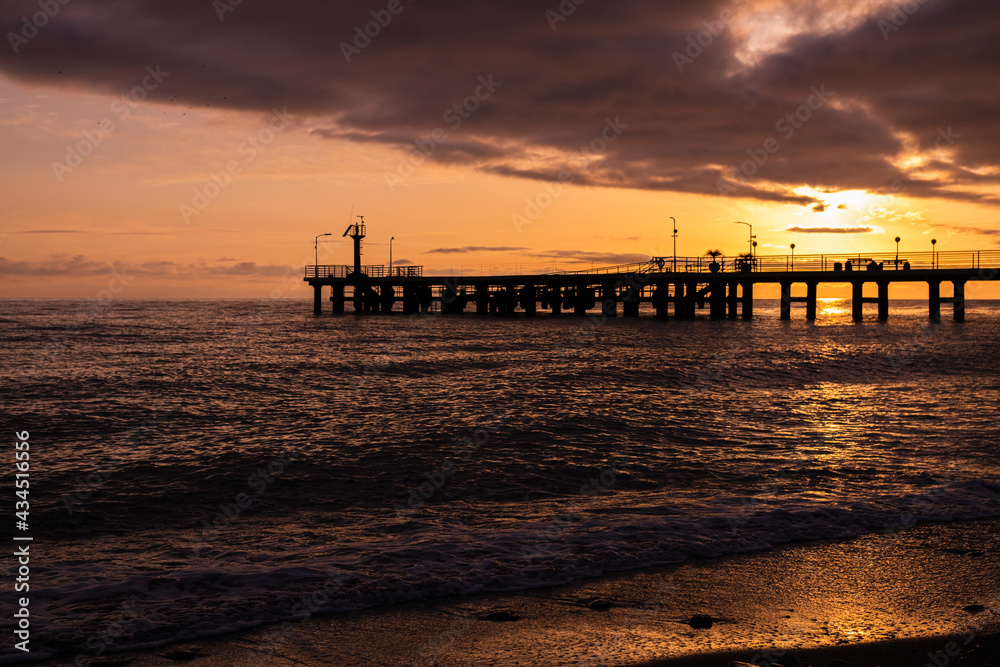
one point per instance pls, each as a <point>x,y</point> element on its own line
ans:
<point>675,287</point>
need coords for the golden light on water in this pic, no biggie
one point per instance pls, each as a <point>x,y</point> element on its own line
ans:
<point>833,306</point>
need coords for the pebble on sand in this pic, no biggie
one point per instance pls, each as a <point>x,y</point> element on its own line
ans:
<point>600,604</point>
<point>500,617</point>
<point>183,655</point>
<point>701,621</point>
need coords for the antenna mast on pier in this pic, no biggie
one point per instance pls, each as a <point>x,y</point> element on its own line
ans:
<point>357,232</point>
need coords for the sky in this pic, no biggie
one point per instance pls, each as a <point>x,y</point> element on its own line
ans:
<point>196,148</point>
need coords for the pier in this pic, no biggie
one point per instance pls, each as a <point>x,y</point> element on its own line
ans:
<point>674,287</point>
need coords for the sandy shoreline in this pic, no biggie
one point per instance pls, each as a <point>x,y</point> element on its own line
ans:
<point>886,599</point>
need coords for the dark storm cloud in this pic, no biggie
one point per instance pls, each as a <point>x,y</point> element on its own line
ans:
<point>510,95</point>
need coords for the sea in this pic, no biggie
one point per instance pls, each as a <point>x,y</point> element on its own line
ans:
<point>199,467</point>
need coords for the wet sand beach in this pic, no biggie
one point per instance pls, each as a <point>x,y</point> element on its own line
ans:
<point>896,598</point>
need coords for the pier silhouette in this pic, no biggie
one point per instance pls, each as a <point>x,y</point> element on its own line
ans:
<point>675,286</point>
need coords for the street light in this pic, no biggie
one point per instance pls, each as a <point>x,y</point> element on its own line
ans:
<point>752,237</point>
<point>897,252</point>
<point>391,239</point>
<point>675,243</point>
<point>933,254</point>
<point>793,257</point>
<point>316,248</point>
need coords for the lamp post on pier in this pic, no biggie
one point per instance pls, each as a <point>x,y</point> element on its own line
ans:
<point>897,252</point>
<point>933,253</point>
<point>753,242</point>
<point>391,239</point>
<point>675,243</point>
<point>316,248</point>
<point>793,256</point>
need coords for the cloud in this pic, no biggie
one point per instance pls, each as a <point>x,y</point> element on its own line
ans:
<point>474,248</point>
<point>57,265</point>
<point>115,233</point>
<point>246,269</point>
<point>965,229</point>
<point>600,97</point>
<point>80,266</point>
<point>50,231</point>
<point>831,230</point>
<point>589,256</point>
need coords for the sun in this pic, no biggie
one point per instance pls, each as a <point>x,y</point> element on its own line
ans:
<point>844,205</point>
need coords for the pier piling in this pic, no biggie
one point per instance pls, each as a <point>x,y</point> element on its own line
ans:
<point>748,300</point>
<point>934,299</point>
<point>811,299</point>
<point>958,301</point>
<point>318,299</point>
<point>786,300</point>
<point>883,300</point>
<point>857,300</point>
<point>528,300</point>
<point>732,299</point>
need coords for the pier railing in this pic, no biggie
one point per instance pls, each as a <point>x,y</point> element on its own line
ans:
<point>373,271</point>
<point>842,262</point>
<point>890,261</point>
